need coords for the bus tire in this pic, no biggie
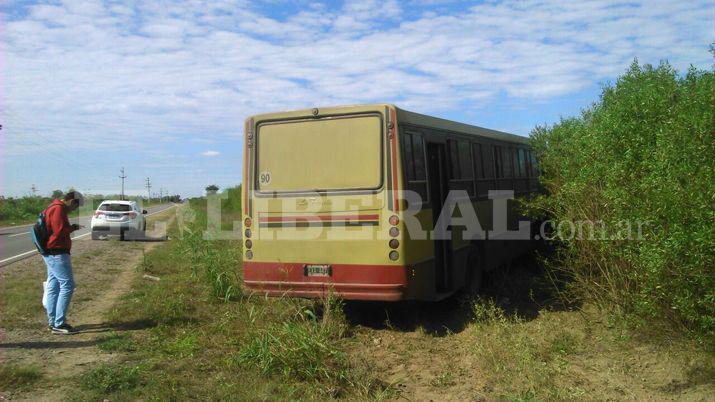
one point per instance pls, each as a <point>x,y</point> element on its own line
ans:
<point>474,271</point>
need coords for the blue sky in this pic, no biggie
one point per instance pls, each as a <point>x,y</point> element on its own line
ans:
<point>162,88</point>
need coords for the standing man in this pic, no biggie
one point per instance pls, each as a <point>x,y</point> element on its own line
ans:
<point>60,282</point>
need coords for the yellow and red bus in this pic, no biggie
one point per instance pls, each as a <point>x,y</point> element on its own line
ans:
<point>328,202</point>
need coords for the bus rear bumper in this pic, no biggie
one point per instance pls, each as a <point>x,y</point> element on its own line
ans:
<point>348,281</point>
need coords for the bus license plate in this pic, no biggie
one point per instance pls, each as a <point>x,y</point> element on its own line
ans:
<point>317,270</point>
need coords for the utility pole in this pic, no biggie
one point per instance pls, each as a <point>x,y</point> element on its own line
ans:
<point>123,176</point>
<point>148,188</point>
<point>34,190</point>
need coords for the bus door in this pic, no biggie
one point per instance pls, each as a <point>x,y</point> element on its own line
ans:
<point>438,186</point>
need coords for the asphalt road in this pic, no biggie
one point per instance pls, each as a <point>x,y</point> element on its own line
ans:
<point>16,243</point>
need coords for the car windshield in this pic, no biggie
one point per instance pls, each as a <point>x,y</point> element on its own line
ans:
<point>115,207</point>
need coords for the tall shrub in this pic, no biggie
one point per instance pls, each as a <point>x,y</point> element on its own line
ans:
<point>645,152</point>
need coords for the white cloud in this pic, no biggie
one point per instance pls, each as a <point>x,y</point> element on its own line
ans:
<point>210,153</point>
<point>116,77</point>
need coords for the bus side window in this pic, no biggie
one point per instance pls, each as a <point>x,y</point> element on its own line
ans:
<point>419,158</point>
<point>507,164</point>
<point>487,161</point>
<point>409,159</point>
<point>465,161</point>
<point>484,168</point>
<point>522,162</point>
<point>478,163</point>
<point>414,164</point>
<point>461,168</point>
<point>497,162</point>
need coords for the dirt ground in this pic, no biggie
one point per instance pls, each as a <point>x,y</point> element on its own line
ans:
<point>103,271</point>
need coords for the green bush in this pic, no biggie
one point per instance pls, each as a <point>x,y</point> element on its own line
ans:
<point>17,210</point>
<point>645,152</point>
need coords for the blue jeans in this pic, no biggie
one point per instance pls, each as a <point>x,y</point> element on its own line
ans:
<point>60,286</point>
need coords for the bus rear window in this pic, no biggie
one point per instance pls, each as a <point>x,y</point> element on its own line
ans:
<point>315,155</point>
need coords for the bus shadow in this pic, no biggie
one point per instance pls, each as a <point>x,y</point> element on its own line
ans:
<point>520,290</point>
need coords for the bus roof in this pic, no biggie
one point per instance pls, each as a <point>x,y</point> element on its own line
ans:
<point>417,119</point>
<point>403,116</point>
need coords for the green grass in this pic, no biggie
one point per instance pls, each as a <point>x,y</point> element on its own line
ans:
<point>522,361</point>
<point>203,340</point>
<point>117,342</point>
<point>108,378</point>
<point>14,377</point>
<point>295,350</point>
<point>21,299</point>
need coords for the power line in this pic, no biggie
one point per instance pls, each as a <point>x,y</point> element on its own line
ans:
<point>148,187</point>
<point>122,176</point>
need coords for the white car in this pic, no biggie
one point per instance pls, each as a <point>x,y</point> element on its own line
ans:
<point>116,217</point>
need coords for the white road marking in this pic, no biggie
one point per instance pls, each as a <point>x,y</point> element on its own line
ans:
<point>34,251</point>
<point>18,234</point>
<point>80,236</point>
<point>16,226</point>
<point>18,256</point>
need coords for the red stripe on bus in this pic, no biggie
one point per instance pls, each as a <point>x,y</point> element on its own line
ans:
<point>394,158</point>
<point>317,218</point>
<point>351,281</point>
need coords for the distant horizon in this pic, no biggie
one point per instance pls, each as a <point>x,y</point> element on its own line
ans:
<point>162,90</point>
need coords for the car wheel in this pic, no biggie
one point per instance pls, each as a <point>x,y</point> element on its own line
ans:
<point>95,235</point>
<point>144,226</point>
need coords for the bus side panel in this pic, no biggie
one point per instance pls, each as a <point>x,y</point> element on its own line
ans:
<point>418,254</point>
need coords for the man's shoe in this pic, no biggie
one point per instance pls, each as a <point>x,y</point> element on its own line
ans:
<point>64,329</point>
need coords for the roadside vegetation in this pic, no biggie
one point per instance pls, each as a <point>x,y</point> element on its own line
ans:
<point>16,211</point>
<point>14,377</point>
<point>642,156</point>
<point>208,340</point>
<point>21,210</point>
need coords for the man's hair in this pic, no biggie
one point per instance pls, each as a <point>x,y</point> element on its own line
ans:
<point>75,197</point>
